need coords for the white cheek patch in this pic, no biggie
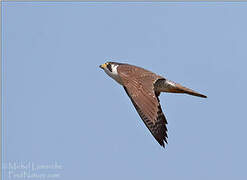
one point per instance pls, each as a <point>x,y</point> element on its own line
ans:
<point>114,70</point>
<point>114,74</point>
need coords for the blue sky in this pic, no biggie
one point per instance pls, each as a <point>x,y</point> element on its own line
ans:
<point>60,107</point>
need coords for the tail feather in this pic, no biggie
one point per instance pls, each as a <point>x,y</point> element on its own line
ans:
<point>189,91</point>
<point>164,85</point>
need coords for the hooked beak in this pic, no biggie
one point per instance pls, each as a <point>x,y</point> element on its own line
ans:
<point>102,66</point>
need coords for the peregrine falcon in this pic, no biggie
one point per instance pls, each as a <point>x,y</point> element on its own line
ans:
<point>143,88</point>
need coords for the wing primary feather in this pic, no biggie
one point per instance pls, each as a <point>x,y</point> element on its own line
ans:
<point>158,129</point>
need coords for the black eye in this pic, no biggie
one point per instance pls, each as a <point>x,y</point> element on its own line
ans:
<point>109,67</point>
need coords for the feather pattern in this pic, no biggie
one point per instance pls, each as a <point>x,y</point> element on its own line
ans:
<point>139,85</point>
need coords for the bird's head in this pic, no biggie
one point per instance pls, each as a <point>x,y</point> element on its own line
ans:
<point>110,68</point>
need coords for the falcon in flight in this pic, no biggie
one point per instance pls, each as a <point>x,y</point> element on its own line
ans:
<point>143,88</point>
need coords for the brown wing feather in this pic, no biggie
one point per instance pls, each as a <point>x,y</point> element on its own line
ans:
<point>138,84</point>
<point>157,129</point>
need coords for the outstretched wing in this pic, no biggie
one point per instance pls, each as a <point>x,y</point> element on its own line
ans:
<point>138,84</point>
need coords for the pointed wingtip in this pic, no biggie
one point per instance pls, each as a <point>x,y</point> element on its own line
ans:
<point>162,145</point>
<point>203,96</point>
<point>162,142</point>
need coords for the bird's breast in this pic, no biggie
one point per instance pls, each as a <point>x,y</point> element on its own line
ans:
<point>115,76</point>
